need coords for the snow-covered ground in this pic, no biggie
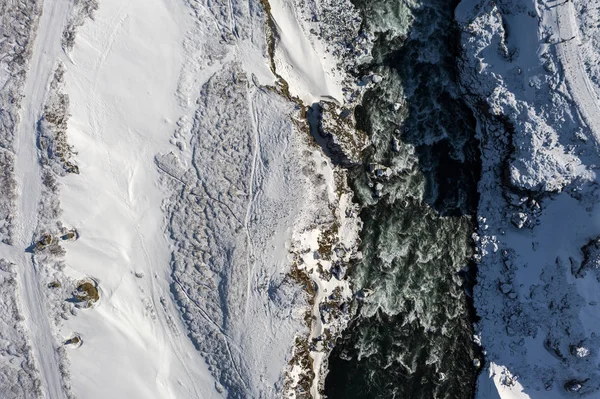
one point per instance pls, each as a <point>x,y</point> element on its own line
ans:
<point>316,46</point>
<point>41,67</point>
<point>121,84</point>
<point>574,68</point>
<point>302,62</point>
<point>174,140</point>
<point>537,285</point>
<point>167,169</point>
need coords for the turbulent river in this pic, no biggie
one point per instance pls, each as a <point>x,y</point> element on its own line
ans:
<point>412,337</point>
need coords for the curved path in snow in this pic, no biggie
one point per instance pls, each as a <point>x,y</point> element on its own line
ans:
<point>578,82</point>
<point>46,49</point>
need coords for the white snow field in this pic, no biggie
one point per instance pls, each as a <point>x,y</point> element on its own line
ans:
<point>161,163</point>
<point>121,84</point>
<point>303,62</point>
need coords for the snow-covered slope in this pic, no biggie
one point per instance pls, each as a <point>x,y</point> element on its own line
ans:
<point>121,84</point>
<point>173,214</point>
<point>536,289</point>
<point>316,44</point>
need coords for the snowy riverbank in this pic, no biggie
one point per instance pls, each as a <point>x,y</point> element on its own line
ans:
<point>538,220</point>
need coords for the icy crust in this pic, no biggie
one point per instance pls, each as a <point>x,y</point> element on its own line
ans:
<point>19,377</point>
<point>18,24</point>
<point>536,289</point>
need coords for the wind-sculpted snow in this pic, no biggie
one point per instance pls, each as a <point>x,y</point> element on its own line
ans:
<point>536,289</point>
<point>232,214</point>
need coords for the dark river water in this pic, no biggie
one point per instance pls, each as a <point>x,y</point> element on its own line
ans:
<point>412,337</point>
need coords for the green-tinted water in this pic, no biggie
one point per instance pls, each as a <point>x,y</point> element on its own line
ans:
<point>413,335</point>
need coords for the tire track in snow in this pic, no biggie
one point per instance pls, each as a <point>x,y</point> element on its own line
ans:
<point>167,332</point>
<point>578,82</point>
<point>232,23</point>
<point>226,338</point>
<point>46,50</point>
<point>250,260</point>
